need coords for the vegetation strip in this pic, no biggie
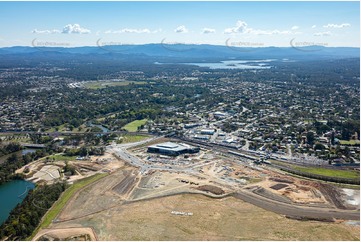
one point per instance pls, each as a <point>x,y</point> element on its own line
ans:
<point>329,172</point>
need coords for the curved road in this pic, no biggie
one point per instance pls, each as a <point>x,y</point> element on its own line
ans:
<point>293,210</point>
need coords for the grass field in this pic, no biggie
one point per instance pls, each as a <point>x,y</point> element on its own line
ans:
<point>62,158</point>
<point>105,84</point>
<point>349,142</point>
<point>67,194</point>
<point>329,172</point>
<point>128,138</point>
<point>133,126</point>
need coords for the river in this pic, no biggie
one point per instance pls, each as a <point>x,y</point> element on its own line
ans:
<point>11,194</point>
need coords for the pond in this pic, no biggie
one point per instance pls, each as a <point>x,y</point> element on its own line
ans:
<point>104,130</point>
<point>27,151</point>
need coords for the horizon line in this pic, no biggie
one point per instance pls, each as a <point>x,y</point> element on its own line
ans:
<point>66,45</point>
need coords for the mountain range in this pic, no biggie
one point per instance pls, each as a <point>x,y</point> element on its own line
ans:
<point>188,51</point>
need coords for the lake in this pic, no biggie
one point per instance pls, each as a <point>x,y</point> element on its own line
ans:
<point>11,194</point>
<point>232,64</point>
<point>236,64</point>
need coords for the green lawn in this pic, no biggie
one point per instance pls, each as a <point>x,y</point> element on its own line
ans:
<point>329,172</point>
<point>349,142</point>
<point>64,198</point>
<point>133,126</point>
<point>105,84</point>
<point>62,158</point>
<point>129,138</point>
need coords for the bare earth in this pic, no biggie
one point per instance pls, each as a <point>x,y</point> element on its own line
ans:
<point>213,219</point>
<point>66,233</point>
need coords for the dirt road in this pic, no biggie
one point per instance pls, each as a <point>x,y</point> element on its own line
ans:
<point>295,211</point>
<point>66,233</point>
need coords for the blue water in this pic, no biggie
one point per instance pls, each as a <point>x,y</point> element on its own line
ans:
<point>233,64</point>
<point>104,130</point>
<point>11,194</point>
<point>27,151</point>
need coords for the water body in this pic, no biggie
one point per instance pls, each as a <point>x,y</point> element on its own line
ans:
<point>232,64</point>
<point>236,64</point>
<point>27,151</point>
<point>11,194</point>
<point>104,130</point>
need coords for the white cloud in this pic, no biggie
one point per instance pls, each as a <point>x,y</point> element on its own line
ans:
<point>313,26</point>
<point>328,33</point>
<point>132,31</point>
<point>68,29</point>
<point>242,27</point>
<point>54,31</point>
<point>181,29</point>
<point>295,27</point>
<point>208,31</point>
<point>74,29</point>
<point>270,32</point>
<point>337,26</point>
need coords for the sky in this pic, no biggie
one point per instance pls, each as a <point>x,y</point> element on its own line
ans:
<point>239,24</point>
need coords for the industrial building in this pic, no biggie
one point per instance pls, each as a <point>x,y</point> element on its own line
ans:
<point>172,149</point>
<point>207,131</point>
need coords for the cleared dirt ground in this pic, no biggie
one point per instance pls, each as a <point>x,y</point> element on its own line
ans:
<point>213,219</point>
<point>95,198</point>
<point>66,234</point>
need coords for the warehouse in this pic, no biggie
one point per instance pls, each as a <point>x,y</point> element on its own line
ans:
<point>172,149</point>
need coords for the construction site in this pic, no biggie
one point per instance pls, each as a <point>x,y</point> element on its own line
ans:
<point>49,171</point>
<point>205,195</point>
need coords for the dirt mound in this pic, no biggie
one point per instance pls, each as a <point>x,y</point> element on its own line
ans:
<point>331,193</point>
<point>278,186</point>
<point>72,234</point>
<point>212,189</point>
<point>281,180</point>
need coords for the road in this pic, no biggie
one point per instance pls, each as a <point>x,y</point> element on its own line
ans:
<point>121,151</point>
<point>297,211</point>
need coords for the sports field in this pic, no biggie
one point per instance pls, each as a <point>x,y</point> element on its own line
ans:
<point>133,126</point>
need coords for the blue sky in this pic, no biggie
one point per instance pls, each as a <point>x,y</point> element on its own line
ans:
<point>247,24</point>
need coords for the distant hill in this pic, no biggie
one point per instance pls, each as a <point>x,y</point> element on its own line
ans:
<point>184,52</point>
